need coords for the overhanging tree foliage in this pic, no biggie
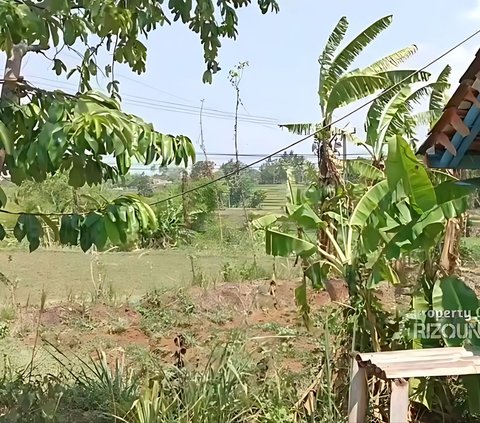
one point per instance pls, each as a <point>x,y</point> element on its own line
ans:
<point>43,133</point>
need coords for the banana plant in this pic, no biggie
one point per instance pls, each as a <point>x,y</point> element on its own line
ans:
<point>427,325</point>
<point>340,86</point>
<point>392,112</point>
<point>437,100</point>
<point>401,213</point>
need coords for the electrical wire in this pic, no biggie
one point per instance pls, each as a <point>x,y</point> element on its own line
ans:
<point>173,106</point>
<point>293,144</point>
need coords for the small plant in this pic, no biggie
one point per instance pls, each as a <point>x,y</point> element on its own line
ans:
<point>153,298</point>
<point>198,276</point>
<point>186,304</point>
<point>172,230</point>
<point>245,272</point>
<point>277,329</point>
<point>228,272</point>
<point>220,317</point>
<point>470,250</point>
<point>4,330</point>
<point>252,271</point>
<point>8,313</point>
<point>257,198</point>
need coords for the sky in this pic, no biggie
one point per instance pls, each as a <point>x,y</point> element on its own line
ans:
<point>280,84</point>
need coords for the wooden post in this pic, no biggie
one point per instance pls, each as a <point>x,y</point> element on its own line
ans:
<point>358,395</point>
<point>399,401</point>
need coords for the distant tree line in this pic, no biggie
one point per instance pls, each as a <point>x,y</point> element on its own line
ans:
<point>274,171</point>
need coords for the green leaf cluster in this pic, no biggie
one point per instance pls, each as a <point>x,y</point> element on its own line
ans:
<point>118,223</point>
<point>54,132</point>
<point>119,25</point>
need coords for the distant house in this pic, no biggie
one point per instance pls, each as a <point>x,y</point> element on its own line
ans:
<point>159,181</point>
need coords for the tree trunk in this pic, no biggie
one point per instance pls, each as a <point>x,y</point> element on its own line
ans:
<point>450,256</point>
<point>185,202</point>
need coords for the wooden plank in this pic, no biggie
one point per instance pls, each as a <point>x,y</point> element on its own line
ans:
<point>388,356</point>
<point>418,367</point>
<point>449,370</point>
<point>458,138</point>
<point>358,394</point>
<point>399,402</point>
<point>423,365</point>
<point>425,362</point>
<point>466,143</point>
<point>413,358</point>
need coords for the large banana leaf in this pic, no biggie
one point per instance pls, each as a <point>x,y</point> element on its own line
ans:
<point>352,88</point>
<point>392,112</point>
<point>437,101</point>
<point>366,171</point>
<point>391,120</point>
<point>325,59</point>
<point>301,128</point>
<point>427,117</point>
<point>305,217</point>
<point>266,221</point>
<point>318,273</point>
<point>345,58</point>
<point>403,166</point>
<point>404,76</point>
<point>284,245</point>
<point>369,203</point>
<point>376,117</point>
<point>386,106</point>
<point>302,302</point>
<point>453,196</point>
<point>438,95</point>
<point>392,60</point>
<point>472,385</point>
<point>452,293</point>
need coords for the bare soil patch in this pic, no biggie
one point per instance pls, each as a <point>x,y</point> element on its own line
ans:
<point>206,318</point>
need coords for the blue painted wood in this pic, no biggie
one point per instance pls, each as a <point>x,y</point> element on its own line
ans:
<point>469,161</point>
<point>466,143</point>
<point>457,138</point>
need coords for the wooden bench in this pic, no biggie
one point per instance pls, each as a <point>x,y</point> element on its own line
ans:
<point>397,367</point>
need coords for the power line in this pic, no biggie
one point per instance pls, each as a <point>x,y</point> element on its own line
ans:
<point>325,126</point>
<point>293,144</point>
<point>176,106</point>
<point>166,108</point>
<point>152,87</point>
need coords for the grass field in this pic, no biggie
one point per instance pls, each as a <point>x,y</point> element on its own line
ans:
<point>276,196</point>
<point>122,320</point>
<point>67,273</point>
<point>116,342</point>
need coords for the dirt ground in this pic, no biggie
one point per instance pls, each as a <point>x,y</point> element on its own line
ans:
<point>186,324</point>
<point>202,319</point>
<point>146,327</point>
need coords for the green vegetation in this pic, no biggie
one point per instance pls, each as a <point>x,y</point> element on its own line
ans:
<point>201,300</point>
